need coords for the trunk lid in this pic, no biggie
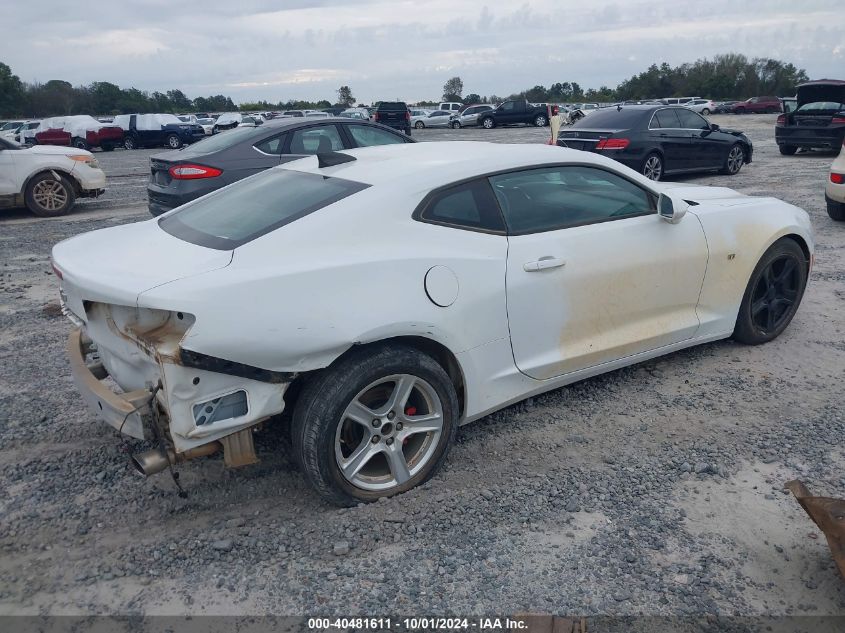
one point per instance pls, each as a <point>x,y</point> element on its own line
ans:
<point>584,138</point>
<point>117,264</point>
<point>821,90</point>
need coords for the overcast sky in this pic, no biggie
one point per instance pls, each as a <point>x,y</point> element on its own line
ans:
<point>387,49</point>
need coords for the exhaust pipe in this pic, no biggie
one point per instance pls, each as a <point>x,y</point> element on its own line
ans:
<point>155,460</point>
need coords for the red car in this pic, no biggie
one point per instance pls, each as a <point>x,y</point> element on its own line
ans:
<point>80,131</point>
<point>757,105</point>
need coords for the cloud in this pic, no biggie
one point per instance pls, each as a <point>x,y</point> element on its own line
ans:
<point>253,49</point>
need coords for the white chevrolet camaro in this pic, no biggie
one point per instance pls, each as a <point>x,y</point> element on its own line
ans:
<point>386,295</point>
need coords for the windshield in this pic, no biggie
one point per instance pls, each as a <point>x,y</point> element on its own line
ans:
<point>11,125</point>
<point>223,140</point>
<point>612,118</point>
<point>264,203</point>
<point>822,106</point>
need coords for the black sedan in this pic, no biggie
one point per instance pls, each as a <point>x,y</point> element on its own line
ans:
<point>818,121</point>
<point>659,140</point>
<point>179,176</point>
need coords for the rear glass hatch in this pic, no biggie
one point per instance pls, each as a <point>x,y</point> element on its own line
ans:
<point>264,203</point>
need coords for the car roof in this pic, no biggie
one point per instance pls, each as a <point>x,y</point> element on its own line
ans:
<point>434,164</point>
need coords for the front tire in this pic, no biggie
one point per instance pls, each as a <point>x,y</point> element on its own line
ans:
<point>79,143</point>
<point>773,293</point>
<point>419,125</point>
<point>48,197</point>
<point>129,142</point>
<point>652,167</point>
<point>456,125</point>
<point>787,150</point>
<point>734,160</point>
<point>488,123</point>
<point>377,423</point>
<point>173,141</point>
<point>540,121</point>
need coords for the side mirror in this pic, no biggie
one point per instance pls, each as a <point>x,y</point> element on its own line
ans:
<point>670,210</point>
<point>714,127</point>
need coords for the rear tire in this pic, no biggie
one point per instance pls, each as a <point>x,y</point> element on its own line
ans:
<point>540,121</point>
<point>348,461</point>
<point>787,150</point>
<point>836,210</point>
<point>47,197</point>
<point>419,125</point>
<point>173,141</point>
<point>773,293</point>
<point>488,123</point>
<point>79,143</point>
<point>129,142</point>
<point>705,111</point>
<point>652,167</point>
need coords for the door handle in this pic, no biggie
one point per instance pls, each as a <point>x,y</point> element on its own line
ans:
<point>544,263</point>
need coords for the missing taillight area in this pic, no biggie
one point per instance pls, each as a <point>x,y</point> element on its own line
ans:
<point>192,172</point>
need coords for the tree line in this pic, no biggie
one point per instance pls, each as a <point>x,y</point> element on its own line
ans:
<point>732,75</point>
<point>729,76</point>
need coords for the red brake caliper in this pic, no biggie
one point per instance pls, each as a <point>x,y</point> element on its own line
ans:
<point>409,411</point>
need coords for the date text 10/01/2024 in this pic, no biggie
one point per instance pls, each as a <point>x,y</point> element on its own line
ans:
<point>418,623</point>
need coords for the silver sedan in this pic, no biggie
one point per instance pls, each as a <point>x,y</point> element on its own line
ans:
<point>438,118</point>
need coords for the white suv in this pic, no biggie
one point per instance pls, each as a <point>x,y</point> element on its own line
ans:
<point>47,179</point>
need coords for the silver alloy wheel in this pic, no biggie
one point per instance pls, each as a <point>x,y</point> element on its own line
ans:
<point>487,123</point>
<point>419,125</point>
<point>389,432</point>
<point>174,142</point>
<point>129,142</point>
<point>540,121</point>
<point>735,159</point>
<point>705,111</point>
<point>653,167</point>
<point>50,195</point>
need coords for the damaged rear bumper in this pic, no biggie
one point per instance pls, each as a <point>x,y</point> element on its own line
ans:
<point>124,412</point>
<point>196,403</point>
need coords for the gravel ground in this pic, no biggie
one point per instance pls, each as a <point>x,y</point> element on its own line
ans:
<point>655,490</point>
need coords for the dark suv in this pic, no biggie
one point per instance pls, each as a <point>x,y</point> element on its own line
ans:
<point>757,105</point>
<point>394,114</point>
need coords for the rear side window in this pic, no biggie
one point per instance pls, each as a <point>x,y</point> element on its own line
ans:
<point>666,119</point>
<point>264,203</point>
<point>316,140</point>
<point>271,145</point>
<point>365,136</point>
<point>469,205</point>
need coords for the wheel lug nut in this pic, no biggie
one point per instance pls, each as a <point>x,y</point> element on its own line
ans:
<point>388,441</point>
<point>391,415</point>
<point>399,426</point>
<point>376,439</point>
<point>376,423</point>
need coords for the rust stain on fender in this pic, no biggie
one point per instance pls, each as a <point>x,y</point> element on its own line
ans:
<point>829,514</point>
